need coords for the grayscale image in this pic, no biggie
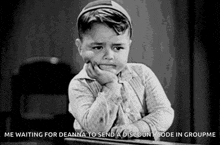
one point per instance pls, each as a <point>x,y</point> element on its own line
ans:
<point>109,72</point>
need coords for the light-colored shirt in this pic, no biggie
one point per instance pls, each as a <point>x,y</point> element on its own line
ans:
<point>142,102</point>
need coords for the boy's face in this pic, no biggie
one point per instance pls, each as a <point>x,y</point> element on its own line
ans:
<point>102,46</point>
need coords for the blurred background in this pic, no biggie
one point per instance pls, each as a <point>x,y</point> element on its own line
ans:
<point>178,39</point>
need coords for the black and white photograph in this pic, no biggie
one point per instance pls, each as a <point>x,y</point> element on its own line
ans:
<point>116,72</point>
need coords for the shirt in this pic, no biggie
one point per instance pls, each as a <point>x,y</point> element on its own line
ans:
<point>142,102</point>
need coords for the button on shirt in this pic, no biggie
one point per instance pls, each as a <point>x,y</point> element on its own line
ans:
<point>130,104</point>
<point>142,101</point>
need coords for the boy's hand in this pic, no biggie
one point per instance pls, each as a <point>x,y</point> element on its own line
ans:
<point>102,76</point>
<point>126,130</point>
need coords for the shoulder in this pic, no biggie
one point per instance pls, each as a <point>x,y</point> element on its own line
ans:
<point>80,79</point>
<point>83,84</point>
<point>77,82</point>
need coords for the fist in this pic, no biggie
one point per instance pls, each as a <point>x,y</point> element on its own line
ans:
<point>102,76</point>
<point>128,130</point>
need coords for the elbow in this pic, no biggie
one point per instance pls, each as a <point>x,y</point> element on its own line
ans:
<point>167,120</point>
<point>170,118</point>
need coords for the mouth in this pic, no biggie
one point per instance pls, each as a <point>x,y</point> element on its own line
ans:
<point>106,66</point>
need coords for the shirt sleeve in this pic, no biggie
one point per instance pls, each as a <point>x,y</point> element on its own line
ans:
<point>160,114</point>
<point>94,113</point>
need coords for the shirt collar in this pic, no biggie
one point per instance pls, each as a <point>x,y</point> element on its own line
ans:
<point>82,74</point>
<point>125,75</point>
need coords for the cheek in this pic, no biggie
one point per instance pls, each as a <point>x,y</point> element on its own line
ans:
<point>122,61</point>
<point>123,58</point>
<point>87,55</point>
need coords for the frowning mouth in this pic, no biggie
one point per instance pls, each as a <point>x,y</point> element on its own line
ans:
<point>107,66</point>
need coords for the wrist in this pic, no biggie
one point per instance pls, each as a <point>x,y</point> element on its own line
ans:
<point>114,91</point>
<point>114,86</point>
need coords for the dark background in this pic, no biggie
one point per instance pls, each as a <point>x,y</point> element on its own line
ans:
<point>178,39</point>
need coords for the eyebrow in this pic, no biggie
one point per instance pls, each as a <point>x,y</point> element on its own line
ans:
<point>101,43</point>
<point>118,44</point>
<point>97,43</point>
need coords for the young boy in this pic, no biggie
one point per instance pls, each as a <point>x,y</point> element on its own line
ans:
<point>110,95</point>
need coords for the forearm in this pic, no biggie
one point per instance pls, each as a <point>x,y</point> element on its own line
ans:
<point>161,114</point>
<point>102,113</point>
<point>156,122</point>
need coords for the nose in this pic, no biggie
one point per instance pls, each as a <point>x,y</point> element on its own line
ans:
<point>109,54</point>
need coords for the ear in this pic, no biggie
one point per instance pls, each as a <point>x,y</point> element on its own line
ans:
<point>130,41</point>
<point>78,44</point>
